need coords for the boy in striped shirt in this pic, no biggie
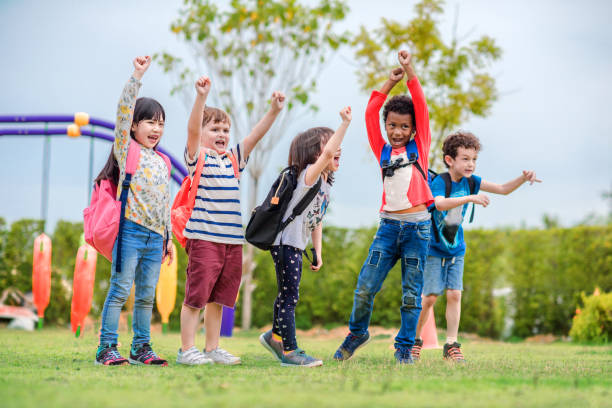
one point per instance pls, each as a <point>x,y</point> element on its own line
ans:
<point>214,231</point>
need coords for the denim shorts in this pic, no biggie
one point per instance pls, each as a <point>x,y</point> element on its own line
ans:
<point>441,274</point>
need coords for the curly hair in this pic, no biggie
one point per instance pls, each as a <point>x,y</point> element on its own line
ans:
<point>461,138</point>
<point>401,104</point>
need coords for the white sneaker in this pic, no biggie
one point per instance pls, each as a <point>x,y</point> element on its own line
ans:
<point>220,356</point>
<point>193,356</point>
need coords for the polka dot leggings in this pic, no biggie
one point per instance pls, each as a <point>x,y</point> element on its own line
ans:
<point>288,264</point>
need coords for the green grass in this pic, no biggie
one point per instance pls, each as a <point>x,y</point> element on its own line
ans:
<point>52,368</point>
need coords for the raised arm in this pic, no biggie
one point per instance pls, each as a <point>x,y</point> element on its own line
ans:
<point>421,113</point>
<point>261,128</point>
<point>330,149</point>
<point>510,186</point>
<point>125,108</point>
<point>372,114</point>
<point>194,126</point>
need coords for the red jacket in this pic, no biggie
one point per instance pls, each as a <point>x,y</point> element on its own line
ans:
<point>406,188</point>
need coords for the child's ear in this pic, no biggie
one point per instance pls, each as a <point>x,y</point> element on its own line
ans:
<point>448,160</point>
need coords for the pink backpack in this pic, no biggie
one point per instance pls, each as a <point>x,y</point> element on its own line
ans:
<point>103,219</point>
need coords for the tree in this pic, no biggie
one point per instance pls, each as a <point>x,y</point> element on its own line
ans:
<point>250,50</point>
<point>453,75</point>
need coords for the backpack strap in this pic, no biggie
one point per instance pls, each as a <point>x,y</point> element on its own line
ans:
<point>302,204</point>
<point>234,165</point>
<point>385,155</point>
<point>195,181</point>
<point>447,184</point>
<point>168,163</point>
<point>472,184</point>
<point>133,157</point>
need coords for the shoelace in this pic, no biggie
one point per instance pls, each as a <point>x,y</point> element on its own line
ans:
<point>112,354</point>
<point>455,352</point>
<point>148,352</point>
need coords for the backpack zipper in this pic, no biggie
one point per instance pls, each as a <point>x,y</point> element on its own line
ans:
<point>274,200</point>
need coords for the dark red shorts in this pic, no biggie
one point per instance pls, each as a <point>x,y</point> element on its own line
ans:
<point>213,273</point>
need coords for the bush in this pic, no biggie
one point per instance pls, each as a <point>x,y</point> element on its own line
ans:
<point>594,322</point>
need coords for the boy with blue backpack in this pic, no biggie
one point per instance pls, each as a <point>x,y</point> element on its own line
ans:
<point>453,192</point>
<point>404,230</point>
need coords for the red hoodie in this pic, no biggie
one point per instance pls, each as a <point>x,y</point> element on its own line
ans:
<point>406,188</point>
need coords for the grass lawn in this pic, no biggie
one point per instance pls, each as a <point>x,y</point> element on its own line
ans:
<point>52,368</point>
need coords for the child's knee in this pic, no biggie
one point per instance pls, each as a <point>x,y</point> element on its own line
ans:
<point>429,300</point>
<point>453,296</point>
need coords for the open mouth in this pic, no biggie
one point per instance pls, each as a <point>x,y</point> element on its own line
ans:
<point>153,138</point>
<point>337,160</point>
<point>397,140</point>
<point>220,144</point>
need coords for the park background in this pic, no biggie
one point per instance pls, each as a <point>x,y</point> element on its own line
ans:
<point>534,257</point>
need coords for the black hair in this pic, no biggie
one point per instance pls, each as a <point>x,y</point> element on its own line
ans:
<point>146,109</point>
<point>401,104</point>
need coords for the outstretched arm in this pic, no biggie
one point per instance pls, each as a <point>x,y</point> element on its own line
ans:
<point>510,186</point>
<point>194,126</point>
<point>125,108</point>
<point>448,203</point>
<point>261,128</point>
<point>330,149</point>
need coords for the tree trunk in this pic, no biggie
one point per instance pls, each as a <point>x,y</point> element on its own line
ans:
<point>248,262</point>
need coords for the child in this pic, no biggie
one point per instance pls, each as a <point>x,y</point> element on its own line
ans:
<point>444,267</point>
<point>214,231</point>
<point>314,153</point>
<point>147,222</point>
<point>404,229</point>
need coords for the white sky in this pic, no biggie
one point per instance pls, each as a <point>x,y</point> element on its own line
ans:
<point>553,115</point>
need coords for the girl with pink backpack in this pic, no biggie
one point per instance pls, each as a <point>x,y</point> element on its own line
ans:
<point>141,215</point>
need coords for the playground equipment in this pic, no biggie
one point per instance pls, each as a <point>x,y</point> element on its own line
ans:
<point>165,294</point>
<point>82,286</point>
<point>41,275</point>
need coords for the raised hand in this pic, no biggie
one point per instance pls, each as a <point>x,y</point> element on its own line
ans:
<point>396,74</point>
<point>277,101</point>
<point>202,85</point>
<point>141,64</point>
<point>346,115</point>
<point>530,176</point>
<point>481,199</point>
<point>405,60</point>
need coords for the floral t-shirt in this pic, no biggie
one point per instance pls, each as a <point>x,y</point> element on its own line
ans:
<point>148,202</point>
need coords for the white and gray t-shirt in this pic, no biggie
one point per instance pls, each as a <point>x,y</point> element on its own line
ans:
<point>297,233</point>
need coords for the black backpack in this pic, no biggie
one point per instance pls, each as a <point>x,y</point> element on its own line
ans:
<point>447,191</point>
<point>267,219</point>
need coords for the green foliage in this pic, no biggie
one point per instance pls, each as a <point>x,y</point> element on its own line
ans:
<point>262,43</point>
<point>454,75</point>
<point>594,322</point>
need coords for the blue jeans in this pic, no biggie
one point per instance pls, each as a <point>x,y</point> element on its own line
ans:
<point>443,273</point>
<point>141,256</point>
<point>394,240</point>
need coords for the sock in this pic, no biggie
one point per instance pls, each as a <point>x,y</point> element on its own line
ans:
<point>451,340</point>
<point>276,337</point>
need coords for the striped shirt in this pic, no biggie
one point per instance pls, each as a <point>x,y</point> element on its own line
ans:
<point>216,214</point>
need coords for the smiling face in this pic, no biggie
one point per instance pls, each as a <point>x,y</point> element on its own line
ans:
<point>399,128</point>
<point>215,136</point>
<point>148,132</point>
<point>464,163</point>
<point>334,164</point>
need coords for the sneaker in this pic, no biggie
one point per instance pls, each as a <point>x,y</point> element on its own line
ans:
<point>453,352</point>
<point>350,345</point>
<point>109,356</point>
<point>143,354</point>
<point>403,355</point>
<point>299,358</point>
<point>220,356</point>
<point>193,356</point>
<point>273,346</point>
<point>416,349</point>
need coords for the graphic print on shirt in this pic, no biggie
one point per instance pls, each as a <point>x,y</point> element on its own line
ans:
<point>315,215</point>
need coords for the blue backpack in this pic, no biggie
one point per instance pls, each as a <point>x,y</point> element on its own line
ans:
<point>449,232</point>
<point>388,168</point>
